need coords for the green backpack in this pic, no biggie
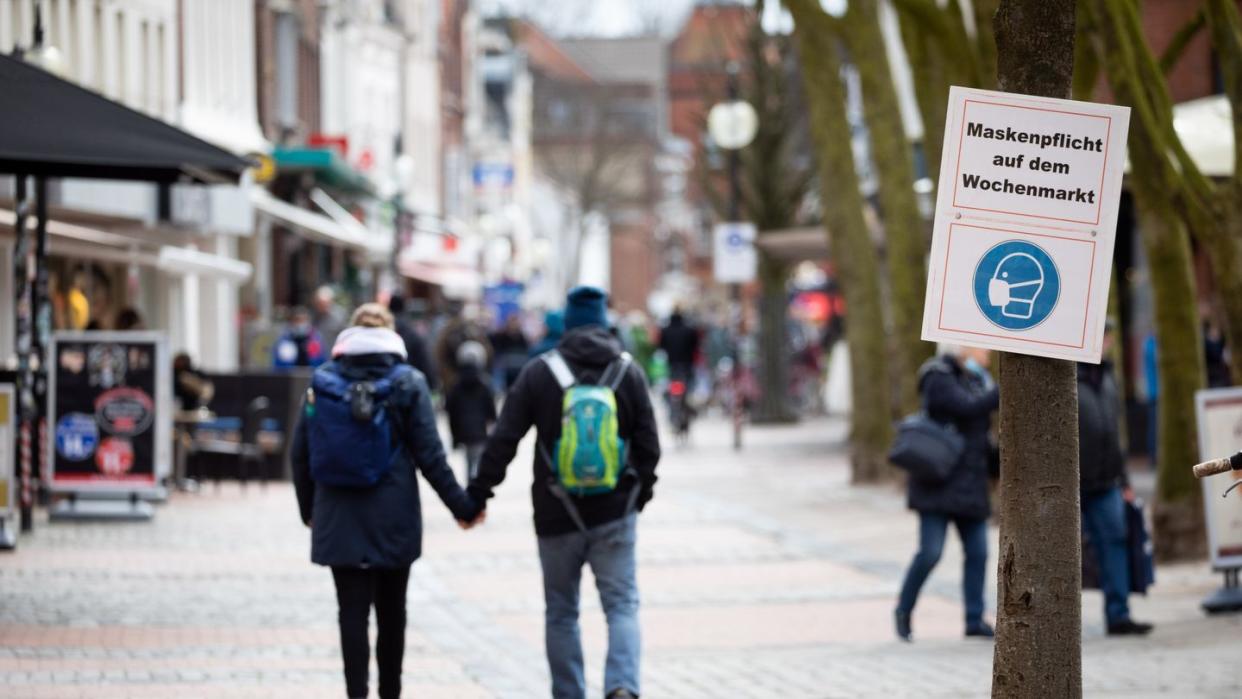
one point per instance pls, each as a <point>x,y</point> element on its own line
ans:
<point>590,456</point>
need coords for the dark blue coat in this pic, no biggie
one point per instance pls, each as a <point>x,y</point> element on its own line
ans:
<point>955,395</point>
<point>381,526</point>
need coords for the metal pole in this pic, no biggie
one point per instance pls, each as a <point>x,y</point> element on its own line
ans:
<point>22,340</point>
<point>735,290</point>
<point>41,313</point>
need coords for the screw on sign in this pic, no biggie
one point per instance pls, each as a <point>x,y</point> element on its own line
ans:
<point>115,456</point>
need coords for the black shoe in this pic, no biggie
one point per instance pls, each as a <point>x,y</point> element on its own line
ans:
<point>903,625</point>
<point>1129,627</point>
<point>980,630</point>
<point>621,693</point>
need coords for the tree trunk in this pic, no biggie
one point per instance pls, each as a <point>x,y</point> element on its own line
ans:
<point>1158,186</point>
<point>1178,512</point>
<point>903,226</point>
<point>854,256</point>
<point>773,406</point>
<point>1039,614</point>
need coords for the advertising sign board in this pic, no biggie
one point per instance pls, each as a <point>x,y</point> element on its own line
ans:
<point>109,412</point>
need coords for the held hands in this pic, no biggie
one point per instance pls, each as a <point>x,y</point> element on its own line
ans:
<point>478,519</point>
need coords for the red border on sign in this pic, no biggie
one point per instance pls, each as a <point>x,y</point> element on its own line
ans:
<point>957,174</point>
<point>1090,284</point>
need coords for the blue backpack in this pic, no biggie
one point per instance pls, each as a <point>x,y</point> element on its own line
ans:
<point>352,429</point>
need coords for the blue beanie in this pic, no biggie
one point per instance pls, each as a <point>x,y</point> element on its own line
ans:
<point>586,305</point>
<point>554,321</point>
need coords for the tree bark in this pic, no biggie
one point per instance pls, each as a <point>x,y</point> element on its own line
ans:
<point>773,406</point>
<point>1164,192</point>
<point>1039,615</point>
<point>903,226</point>
<point>854,256</point>
<point>1178,531</point>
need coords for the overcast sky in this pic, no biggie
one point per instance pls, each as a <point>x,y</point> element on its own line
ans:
<point>609,17</point>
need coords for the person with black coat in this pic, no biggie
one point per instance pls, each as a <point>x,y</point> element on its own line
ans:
<point>471,405</point>
<point>958,391</point>
<point>680,342</point>
<point>608,534</point>
<point>1105,489</point>
<point>371,536</point>
<point>418,355</point>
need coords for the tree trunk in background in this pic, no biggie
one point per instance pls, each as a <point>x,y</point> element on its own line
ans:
<point>1039,613</point>
<point>856,263</point>
<point>774,405</point>
<point>1178,511</point>
<point>1160,189</point>
<point>904,228</point>
<point>931,87</point>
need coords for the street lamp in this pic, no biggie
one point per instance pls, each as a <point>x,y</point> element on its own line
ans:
<point>732,125</point>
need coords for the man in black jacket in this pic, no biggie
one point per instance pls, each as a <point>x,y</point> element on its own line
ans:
<point>1105,489</point>
<point>607,536</point>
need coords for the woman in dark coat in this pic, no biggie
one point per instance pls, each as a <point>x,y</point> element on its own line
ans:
<point>371,535</point>
<point>956,390</point>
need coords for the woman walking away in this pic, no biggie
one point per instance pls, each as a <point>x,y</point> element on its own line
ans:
<point>366,424</point>
<point>958,391</point>
<point>471,405</point>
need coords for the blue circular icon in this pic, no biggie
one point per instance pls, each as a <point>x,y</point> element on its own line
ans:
<point>1017,285</point>
<point>77,435</point>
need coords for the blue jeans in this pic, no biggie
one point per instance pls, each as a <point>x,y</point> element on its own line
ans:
<point>1104,520</point>
<point>932,529</point>
<point>609,549</point>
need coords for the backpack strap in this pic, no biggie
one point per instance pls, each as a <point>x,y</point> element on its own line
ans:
<point>560,370</point>
<point>558,491</point>
<point>616,371</point>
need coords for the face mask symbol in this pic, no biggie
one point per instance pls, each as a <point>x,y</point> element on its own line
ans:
<point>1015,285</point>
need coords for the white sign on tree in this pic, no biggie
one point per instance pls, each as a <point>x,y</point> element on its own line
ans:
<point>1026,217</point>
<point>735,260</point>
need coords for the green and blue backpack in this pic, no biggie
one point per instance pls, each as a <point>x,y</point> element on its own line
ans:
<point>590,456</point>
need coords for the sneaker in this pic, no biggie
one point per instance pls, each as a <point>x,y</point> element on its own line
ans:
<point>981,630</point>
<point>1129,627</point>
<point>903,625</point>
<point>621,693</point>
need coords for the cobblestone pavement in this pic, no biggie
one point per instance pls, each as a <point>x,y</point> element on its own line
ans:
<point>763,575</point>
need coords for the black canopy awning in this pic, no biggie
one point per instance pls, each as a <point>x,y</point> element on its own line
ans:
<point>53,128</point>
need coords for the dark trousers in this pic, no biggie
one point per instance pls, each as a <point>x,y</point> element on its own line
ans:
<point>1104,520</point>
<point>357,589</point>
<point>932,530</point>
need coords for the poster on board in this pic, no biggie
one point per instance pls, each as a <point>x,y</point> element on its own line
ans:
<point>1219,415</point>
<point>1026,215</point>
<point>108,412</point>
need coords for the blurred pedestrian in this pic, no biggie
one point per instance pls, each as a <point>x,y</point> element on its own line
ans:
<point>462,327</point>
<point>130,319</point>
<point>957,390</point>
<point>1151,375</point>
<point>300,345</point>
<point>576,524</point>
<point>329,317</point>
<point>366,424</point>
<point>471,405</point>
<point>418,356</point>
<point>1215,357</point>
<point>553,330</point>
<point>510,350</point>
<point>680,342</point>
<point>191,387</point>
<point>1106,489</point>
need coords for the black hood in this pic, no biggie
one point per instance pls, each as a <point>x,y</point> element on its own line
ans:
<point>590,346</point>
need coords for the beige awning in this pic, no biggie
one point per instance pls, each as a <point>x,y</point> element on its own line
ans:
<point>88,243</point>
<point>795,244</point>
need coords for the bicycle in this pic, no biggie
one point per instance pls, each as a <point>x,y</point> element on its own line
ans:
<point>1222,465</point>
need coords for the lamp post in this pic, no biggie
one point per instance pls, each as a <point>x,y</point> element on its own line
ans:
<point>732,125</point>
